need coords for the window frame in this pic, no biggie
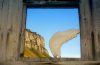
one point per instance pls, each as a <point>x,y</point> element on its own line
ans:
<point>44,5</point>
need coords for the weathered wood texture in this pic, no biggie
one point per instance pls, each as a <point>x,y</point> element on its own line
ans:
<point>51,4</point>
<point>86,31</point>
<point>23,27</point>
<point>49,59</point>
<point>10,28</point>
<point>3,29</point>
<point>52,63</point>
<point>96,29</point>
<point>1,34</point>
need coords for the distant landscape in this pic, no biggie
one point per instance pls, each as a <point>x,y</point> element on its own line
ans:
<point>34,45</point>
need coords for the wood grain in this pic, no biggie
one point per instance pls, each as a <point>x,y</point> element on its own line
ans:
<point>96,29</point>
<point>86,30</point>
<point>12,27</point>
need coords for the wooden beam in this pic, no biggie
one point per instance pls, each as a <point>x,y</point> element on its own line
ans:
<point>96,29</point>
<point>51,4</point>
<point>10,29</point>
<point>86,31</point>
<point>3,29</point>
<point>49,59</point>
<point>52,63</point>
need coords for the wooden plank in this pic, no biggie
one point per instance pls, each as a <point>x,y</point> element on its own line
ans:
<point>96,20</point>
<point>52,63</point>
<point>49,59</point>
<point>50,0</point>
<point>23,31</point>
<point>1,3</point>
<point>51,4</point>
<point>3,31</point>
<point>66,0</point>
<point>86,30</point>
<point>14,29</point>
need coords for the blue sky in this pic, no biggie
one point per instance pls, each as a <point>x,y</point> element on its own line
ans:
<point>46,22</point>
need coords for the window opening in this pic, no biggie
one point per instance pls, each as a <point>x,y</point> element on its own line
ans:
<point>42,24</point>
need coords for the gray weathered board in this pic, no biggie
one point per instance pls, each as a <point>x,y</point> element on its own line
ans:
<point>12,27</point>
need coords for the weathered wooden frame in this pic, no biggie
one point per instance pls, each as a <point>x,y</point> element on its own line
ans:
<point>13,15</point>
<point>52,5</point>
<point>68,4</point>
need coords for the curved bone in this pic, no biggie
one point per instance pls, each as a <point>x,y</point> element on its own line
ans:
<point>59,38</point>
